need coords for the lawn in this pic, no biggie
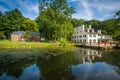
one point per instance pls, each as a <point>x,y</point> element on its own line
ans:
<point>7,44</point>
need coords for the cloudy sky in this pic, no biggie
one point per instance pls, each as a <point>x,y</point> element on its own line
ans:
<point>85,9</point>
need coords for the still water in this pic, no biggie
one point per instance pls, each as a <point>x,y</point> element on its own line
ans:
<point>83,64</point>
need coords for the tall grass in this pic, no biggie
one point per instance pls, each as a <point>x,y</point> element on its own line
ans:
<point>19,50</point>
<point>6,44</point>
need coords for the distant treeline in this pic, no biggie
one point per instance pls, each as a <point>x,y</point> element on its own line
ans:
<point>54,22</point>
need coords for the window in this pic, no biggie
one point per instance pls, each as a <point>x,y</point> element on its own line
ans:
<point>84,40</point>
<point>90,35</point>
<point>94,35</point>
<point>90,30</point>
<point>80,40</point>
<point>90,40</point>
<point>84,35</point>
<point>94,40</point>
<point>80,36</point>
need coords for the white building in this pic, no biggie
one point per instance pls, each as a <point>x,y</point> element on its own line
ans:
<point>88,35</point>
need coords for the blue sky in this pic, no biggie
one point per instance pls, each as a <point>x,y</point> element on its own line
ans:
<point>85,9</point>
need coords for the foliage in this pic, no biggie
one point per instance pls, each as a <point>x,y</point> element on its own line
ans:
<point>55,19</point>
<point>11,21</point>
<point>77,22</point>
<point>2,35</point>
<point>63,42</point>
<point>29,25</point>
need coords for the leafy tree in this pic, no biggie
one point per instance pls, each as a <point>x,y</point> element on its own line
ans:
<point>77,22</point>
<point>55,19</point>
<point>11,21</point>
<point>2,35</point>
<point>117,14</point>
<point>29,25</point>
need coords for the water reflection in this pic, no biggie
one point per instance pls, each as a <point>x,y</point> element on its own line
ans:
<point>95,71</point>
<point>30,73</point>
<point>83,64</point>
<point>87,55</point>
<point>93,65</point>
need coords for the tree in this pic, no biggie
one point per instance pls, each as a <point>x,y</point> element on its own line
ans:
<point>2,30</point>
<point>117,14</point>
<point>29,25</point>
<point>77,22</point>
<point>11,21</point>
<point>55,19</point>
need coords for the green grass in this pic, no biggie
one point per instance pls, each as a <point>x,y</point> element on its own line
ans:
<point>19,50</point>
<point>7,44</point>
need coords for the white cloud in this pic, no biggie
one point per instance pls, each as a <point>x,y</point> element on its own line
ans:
<point>3,9</point>
<point>28,8</point>
<point>95,9</point>
<point>87,9</point>
<point>34,8</point>
<point>72,0</point>
<point>84,11</point>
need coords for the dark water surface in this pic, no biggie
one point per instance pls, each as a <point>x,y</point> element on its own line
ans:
<point>83,64</point>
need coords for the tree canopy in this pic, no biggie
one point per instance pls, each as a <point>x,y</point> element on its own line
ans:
<point>29,25</point>
<point>55,19</point>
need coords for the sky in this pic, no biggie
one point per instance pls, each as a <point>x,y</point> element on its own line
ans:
<point>85,9</point>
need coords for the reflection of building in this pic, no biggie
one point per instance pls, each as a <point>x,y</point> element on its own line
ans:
<point>90,55</point>
<point>87,55</point>
<point>88,35</point>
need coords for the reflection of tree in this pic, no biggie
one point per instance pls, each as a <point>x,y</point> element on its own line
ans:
<point>14,69</point>
<point>111,57</point>
<point>57,69</point>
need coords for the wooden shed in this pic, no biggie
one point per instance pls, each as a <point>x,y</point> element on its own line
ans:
<point>17,36</point>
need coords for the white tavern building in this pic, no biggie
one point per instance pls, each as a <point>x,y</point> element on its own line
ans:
<point>88,35</point>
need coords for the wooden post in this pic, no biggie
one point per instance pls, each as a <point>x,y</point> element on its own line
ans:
<point>98,43</point>
<point>105,43</point>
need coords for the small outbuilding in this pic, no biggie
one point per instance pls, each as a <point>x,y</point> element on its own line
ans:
<point>35,36</point>
<point>17,36</point>
<point>25,36</point>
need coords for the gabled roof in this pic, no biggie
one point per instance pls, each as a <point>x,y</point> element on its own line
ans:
<point>35,33</point>
<point>92,33</point>
<point>17,32</point>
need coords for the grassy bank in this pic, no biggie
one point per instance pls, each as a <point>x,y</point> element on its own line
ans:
<point>6,44</point>
<point>19,50</point>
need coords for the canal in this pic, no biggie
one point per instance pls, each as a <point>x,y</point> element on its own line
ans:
<point>81,64</point>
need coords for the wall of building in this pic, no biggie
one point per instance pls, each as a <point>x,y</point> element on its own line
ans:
<point>82,36</point>
<point>16,37</point>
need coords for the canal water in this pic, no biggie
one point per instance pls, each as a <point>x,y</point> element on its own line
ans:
<point>83,64</point>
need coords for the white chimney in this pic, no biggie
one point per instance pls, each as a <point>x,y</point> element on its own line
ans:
<point>83,27</point>
<point>99,31</point>
<point>92,30</point>
<point>88,30</point>
<point>90,27</point>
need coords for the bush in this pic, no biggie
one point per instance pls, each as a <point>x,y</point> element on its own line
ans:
<point>63,42</point>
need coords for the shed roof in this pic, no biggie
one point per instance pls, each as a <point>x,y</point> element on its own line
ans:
<point>35,33</point>
<point>17,32</point>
